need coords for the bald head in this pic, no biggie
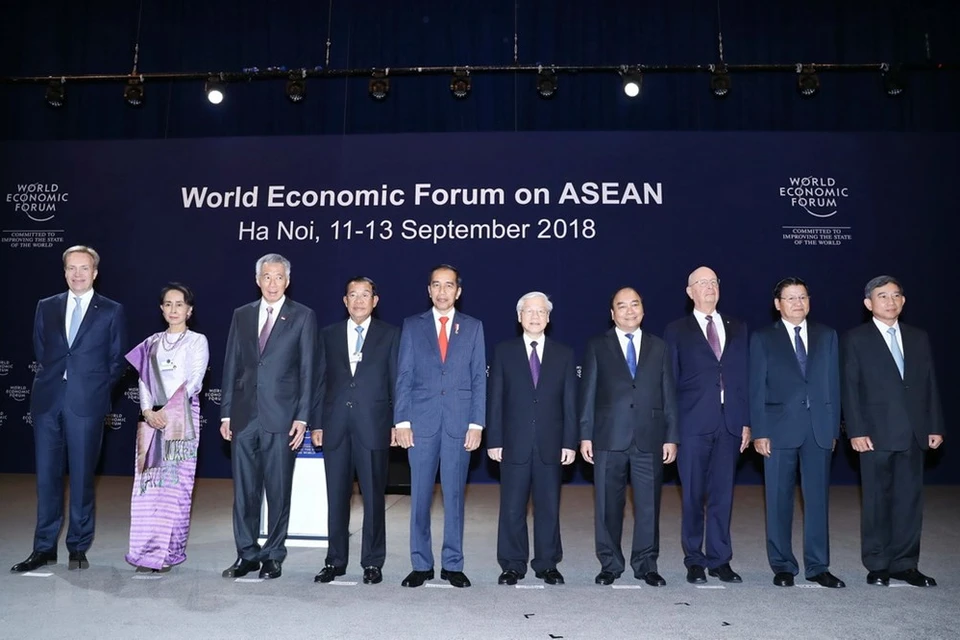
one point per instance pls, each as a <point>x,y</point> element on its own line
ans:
<point>703,287</point>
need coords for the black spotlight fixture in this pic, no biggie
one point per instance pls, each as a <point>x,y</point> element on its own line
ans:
<point>296,87</point>
<point>133,92</point>
<point>460,84</point>
<point>215,90</point>
<point>380,86</point>
<point>632,82</point>
<point>894,80</point>
<point>56,95</point>
<point>719,80</point>
<point>546,83</point>
<point>808,84</point>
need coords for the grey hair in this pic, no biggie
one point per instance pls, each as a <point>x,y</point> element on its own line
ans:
<point>534,294</point>
<point>881,281</point>
<point>273,258</point>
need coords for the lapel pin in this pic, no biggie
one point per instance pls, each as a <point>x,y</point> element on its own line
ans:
<point>283,317</point>
<point>456,328</point>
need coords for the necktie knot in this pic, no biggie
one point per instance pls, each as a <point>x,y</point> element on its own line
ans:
<point>534,344</point>
<point>892,330</point>
<point>796,330</point>
<point>443,321</point>
<point>709,318</point>
<point>359,344</point>
<point>629,336</point>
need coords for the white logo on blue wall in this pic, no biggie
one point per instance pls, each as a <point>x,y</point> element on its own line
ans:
<point>5,367</point>
<point>818,196</point>
<point>37,200</point>
<point>18,392</point>
<point>114,421</point>
<point>132,394</point>
<point>214,395</point>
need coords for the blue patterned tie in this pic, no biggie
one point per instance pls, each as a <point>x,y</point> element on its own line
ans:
<point>631,356</point>
<point>801,350</point>
<point>895,349</point>
<point>359,346</point>
<point>75,319</point>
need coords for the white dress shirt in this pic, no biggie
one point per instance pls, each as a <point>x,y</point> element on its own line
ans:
<point>637,335</point>
<point>71,303</point>
<point>883,328</point>
<point>262,320</point>
<point>352,341</point>
<point>527,339</point>
<point>803,334</point>
<point>717,322</point>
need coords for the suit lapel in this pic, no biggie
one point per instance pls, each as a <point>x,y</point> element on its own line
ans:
<point>523,363</point>
<point>431,335</point>
<point>288,314</point>
<point>613,341</point>
<point>89,317</point>
<point>369,346</point>
<point>880,344</point>
<point>785,344</point>
<point>61,308</point>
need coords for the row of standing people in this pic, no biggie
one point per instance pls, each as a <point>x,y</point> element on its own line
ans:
<point>364,386</point>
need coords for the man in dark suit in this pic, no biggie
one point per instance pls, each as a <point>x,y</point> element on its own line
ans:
<point>269,384</point>
<point>79,339</point>
<point>892,412</point>
<point>531,431</point>
<point>439,412</point>
<point>709,354</point>
<point>628,427</point>
<point>795,417</point>
<point>356,377</point>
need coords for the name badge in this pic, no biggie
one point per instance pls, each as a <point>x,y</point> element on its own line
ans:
<point>167,365</point>
<point>356,357</point>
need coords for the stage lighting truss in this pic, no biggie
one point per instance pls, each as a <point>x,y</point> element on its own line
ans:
<point>296,88</point>
<point>894,81</point>
<point>133,92</point>
<point>380,85</point>
<point>719,80</point>
<point>56,94</point>
<point>460,84</point>
<point>808,84</point>
<point>632,82</point>
<point>215,90</point>
<point>546,83</point>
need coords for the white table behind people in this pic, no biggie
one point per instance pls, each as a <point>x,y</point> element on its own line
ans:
<point>308,501</point>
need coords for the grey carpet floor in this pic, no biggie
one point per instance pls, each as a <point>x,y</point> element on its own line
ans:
<point>110,601</point>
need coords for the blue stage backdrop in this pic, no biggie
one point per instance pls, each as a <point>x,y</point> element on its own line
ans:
<point>575,215</point>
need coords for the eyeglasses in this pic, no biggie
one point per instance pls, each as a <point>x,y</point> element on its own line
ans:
<point>792,299</point>
<point>705,282</point>
<point>539,313</point>
<point>359,296</point>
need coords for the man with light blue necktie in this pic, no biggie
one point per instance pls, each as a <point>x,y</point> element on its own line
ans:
<point>892,411</point>
<point>79,340</point>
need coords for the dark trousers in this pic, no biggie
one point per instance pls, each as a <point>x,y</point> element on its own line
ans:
<point>517,482</point>
<point>262,463</point>
<point>63,438</point>
<point>612,471</point>
<point>892,514</point>
<point>780,479</point>
<point>370,466</point>
<point>707,465</point>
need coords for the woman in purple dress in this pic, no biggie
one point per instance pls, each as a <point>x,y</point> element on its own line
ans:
<point>171,365</point>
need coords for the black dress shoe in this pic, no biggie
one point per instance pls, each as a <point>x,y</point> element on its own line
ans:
<point>36,560</point>
<point>654,579</point>
<point>509,577</point>
<point>605,577</point>
<point>270,570</point>
<point>78,560</point>
<point>828,580</point>
<point>783,579</point>
<point>914,578</point>
<point>550,576</point>
<point>696,575</point>
<point>878,578</point>
<point>372,575</point>
<point>240,568</point>
<point>456,578</point>
<point>417,578</point>
<point>725,573</point>
<point>328,573</point>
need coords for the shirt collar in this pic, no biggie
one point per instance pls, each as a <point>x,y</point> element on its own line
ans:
<point>437,314</point>
<point>276,305</point>
<point>623,336</point>
<point>84,298</point>
<point>527,340</point>
<point>702,317</point>
<point>789,325</point>
<point>883,327</point>
<point>352,326</point>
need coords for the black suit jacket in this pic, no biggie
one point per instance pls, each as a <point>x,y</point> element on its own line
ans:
<point>361,403</point>
<point>617,410</point>
<point>877,402</point>
<point>519,414</point>
<point>279,385</point>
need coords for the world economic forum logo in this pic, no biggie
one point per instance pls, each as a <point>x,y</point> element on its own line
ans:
<point>37,200</point>
<point>18,392</point>
<point>818,196</point>
<point>214,396</point>
<point>133,395</point>
<point>5,367</point>
<point>114,421</point>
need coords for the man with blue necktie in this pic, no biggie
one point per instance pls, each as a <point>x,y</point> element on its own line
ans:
<point>892,413</point>
<point>439,411</point>
<point>795,418</point>
<point>79,340</point>
<point>628,429</point>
